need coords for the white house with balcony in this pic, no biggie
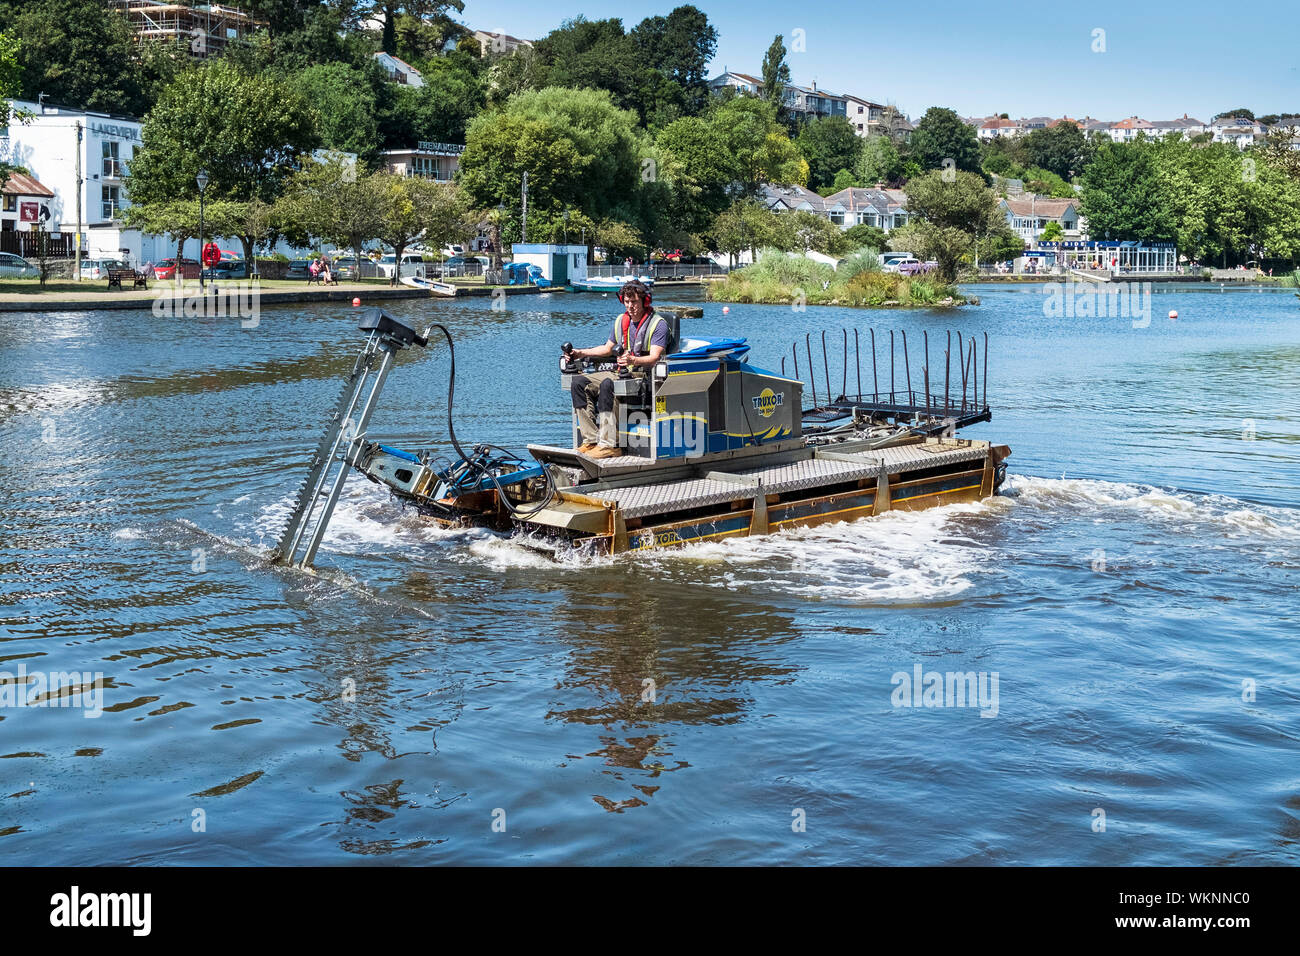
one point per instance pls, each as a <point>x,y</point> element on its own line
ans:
<point>866,117</point>
<point>880,207</point>
<point>399,71</point>
<point>56,143</point>
<point>428,160</point>
<point>1238,130</point>
<point>1029,215</point>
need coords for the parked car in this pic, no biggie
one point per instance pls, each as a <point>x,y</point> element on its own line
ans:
<point>412,265</point>
<point>298,269</point>
<point>167,269</point>
<point>16,267</point>
<point>227,269</point>
<point>910,267</point>
<point>453,250</point>
<point>99,268</point>
<point>896,265</point>
<point>888,258</point>
<point>460,266</point>
<point>345,268</point>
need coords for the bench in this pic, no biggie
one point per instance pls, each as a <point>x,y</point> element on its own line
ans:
<point>116,277</point>
<point>313,278</point>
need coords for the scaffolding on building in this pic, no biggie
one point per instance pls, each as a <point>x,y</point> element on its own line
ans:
<point>205,28</point>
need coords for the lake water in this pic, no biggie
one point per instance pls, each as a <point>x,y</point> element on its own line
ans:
<point>1132,590</point>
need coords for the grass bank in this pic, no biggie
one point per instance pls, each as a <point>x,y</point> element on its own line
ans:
<point>781,279</point>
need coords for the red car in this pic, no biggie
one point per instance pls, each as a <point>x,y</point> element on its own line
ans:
<point>167,269</point>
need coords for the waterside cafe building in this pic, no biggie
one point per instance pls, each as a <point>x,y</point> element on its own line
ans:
<point>1112,255</point>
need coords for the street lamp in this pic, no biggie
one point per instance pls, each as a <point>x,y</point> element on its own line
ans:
<point>202,180</point>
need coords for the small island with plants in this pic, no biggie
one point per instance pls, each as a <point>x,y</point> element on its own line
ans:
<point>779,278</point>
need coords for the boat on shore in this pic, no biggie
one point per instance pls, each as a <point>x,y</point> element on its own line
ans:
<point>608,283</point>
<point>432,285</point>
<point>713,447</point>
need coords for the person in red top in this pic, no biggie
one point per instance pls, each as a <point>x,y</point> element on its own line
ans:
<point>643,338</point>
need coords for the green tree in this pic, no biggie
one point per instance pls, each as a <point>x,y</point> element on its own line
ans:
<point>440,110</point>
<point>179,217</point>
<point>592,55</point>
<point>247,132</point>
<point>680,46</point>
<point>747,224</point>
<point>942,135</point>
<point>331,202</point>
<point>776,73</point>
<point>1046,183</point>
<point>77,53</point>
<point>344,106</point>
<point>948,213</point>
<point>1061,149</point>
<point>388,12</point>
<point>699,173</point>
<point>10,82</point>
<point>411,208</point>
<point>879,162</point>
<point>1123,197</point>
<point>863,236</point>
<point>844,179</point>
<point>761,151</point>
<point>829,144</point>
<point>619,239</point>
<point>604,137</point>
<point>501,147</point>
<point>809,231</point>
<point>254,223</point>
<point>1052,231</point>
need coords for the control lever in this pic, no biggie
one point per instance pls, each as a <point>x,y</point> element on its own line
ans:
<point>569,364</point>
<point>623,370</point>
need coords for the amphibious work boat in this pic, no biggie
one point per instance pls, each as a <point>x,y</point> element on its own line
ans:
<point>714,447</point>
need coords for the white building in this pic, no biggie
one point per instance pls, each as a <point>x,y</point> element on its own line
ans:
<point>996,127</point>
<point>492,43</point>
<point>54,144</point>
<point>883,208</point>
<point>1029,215</point>
<point>1238,130</point>
<point>560,264</point>
<point>866,117</point>
<point>399,71</point>
<point>437,161</point>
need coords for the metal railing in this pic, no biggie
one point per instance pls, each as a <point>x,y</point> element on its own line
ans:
<point>442,270</point>
<point>657,270</point>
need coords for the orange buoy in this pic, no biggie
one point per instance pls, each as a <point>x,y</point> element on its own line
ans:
<point>356,301</point>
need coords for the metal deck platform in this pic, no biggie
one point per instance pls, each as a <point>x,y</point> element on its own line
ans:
<point>829,466</point>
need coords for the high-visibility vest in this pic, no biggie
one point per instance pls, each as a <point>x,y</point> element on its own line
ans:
<point>641,340</point>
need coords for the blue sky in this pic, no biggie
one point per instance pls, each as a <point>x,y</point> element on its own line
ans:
<point>1160,60</point>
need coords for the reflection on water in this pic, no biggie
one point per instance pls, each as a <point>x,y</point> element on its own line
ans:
<point>436,695</point>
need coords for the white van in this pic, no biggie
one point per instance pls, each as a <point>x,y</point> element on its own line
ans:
<point>412,265</point>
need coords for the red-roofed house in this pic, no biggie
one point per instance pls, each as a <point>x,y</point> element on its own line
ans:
<point>26,204</point>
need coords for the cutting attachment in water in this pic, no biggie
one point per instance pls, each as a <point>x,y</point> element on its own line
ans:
<point>343,439</point>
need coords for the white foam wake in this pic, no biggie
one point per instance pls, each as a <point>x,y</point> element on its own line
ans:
<point>1189,512</point>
